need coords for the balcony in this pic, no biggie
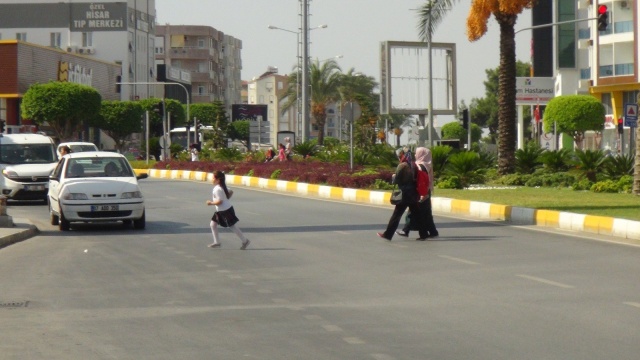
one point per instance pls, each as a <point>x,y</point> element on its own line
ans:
<point>189,53</point>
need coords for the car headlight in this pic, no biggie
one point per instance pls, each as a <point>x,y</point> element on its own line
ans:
<point>9,173</point>
<point>131,195</point>
<point>75,196</point>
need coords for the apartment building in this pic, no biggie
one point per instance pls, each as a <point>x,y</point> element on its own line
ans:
<point>115,31</point>
<point>584,60</point>
<point>270,89</point>
<point>211,57</point>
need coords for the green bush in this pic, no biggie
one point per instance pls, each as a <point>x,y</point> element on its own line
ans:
<point>551,180</point>
<point>275,174</point>
<point>582,184</point>
<point>449,182</point>
<point>466,167</point>
<point>557,160</point>
<point>528,158</point>
<point>607,186</point>
<point>513,179</point>
<point>617,166</point>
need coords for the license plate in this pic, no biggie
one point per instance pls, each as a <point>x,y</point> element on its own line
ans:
<point>104,207</point>
<point>34,187</point>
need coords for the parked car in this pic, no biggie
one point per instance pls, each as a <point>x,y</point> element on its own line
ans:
<point>26,160</point>
<point>95,187</point>
<point>78,146</point>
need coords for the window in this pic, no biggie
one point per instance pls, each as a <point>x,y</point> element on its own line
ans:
<point>55,39</point>
<point>21,36</point>
<point>201,90</point>
<point>201,43</point>
<point>87,39</point>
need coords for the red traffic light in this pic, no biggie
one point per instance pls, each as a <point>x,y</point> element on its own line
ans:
<point>602,9</point>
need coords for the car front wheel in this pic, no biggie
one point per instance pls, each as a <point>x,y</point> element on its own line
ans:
<point>63,223</point>
<point>139,223</point>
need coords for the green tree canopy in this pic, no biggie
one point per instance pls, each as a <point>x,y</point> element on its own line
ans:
<point>120,119</point>
<point>454,130</point>
<point>240,130</point>
<point>66,107</point>
<point>574,115</point>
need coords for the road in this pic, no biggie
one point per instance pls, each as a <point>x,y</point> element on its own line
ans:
<point>316,283</point>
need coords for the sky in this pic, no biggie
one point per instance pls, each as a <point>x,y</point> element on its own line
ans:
<point>355,29</point>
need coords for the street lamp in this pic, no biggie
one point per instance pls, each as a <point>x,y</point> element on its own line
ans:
<point>299,117</point>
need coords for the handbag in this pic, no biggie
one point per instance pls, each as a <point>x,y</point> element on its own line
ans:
<point>396,197</point>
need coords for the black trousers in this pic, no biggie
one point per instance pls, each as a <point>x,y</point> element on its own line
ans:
<point>394,221</point>
<point>424,216</point>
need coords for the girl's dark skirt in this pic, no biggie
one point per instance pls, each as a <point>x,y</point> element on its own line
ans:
<point>225,218</point>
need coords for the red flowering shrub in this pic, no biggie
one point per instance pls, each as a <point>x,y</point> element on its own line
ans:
<point>311,172</point>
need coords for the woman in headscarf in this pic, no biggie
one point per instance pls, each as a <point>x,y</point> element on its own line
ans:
<point>424,216</point>
<point>411,194</point>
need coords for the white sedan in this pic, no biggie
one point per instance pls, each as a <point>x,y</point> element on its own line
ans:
<point>95,187</point>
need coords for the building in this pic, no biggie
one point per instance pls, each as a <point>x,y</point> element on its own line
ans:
<point>115,31</point>
<point>211,57</point>
<point>584,60</point>
<point>270,89</point>
<point>23,64</point>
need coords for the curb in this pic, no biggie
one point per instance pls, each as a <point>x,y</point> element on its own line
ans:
<point>602,225</point>
<point>22,230</point>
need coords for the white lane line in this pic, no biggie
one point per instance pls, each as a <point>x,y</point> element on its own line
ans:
<point>458,260</point>
<point>341,232</point>
<point>332,328</point>
<point>353,340</point>
<point>632,304</point>
<point>545,281</point>
<point>382,357</point>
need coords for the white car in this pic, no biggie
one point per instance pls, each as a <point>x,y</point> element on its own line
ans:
<point>95,187</point>
<point>78,146</point>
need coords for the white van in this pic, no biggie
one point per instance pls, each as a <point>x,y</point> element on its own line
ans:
<point>77,146</point>
<point>26,160</point>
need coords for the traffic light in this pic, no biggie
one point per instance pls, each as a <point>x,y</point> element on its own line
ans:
<point>620,126</point>
<point>465,119</point>
<point>198,126</point>
<point>2,124</point>
<point>159,108</point>
<point>603,17</point>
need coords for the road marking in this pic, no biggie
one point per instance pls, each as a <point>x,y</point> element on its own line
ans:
<point>382,357</point>
<point>459,260</point>
<point>341,232</point>
<point>545,281</point>
<point>353,340</point>
<point>332,328</point>
<point>632,304</point>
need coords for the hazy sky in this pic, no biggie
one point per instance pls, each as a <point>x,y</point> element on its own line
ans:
<point>354,30</point>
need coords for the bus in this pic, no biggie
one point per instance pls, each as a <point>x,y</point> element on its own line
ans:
<point>179,135</point>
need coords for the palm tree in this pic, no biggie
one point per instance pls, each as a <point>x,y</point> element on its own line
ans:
<point>324,81</point>
<point>506,13</point>
<point>358,88</point>
<point>396,122</point>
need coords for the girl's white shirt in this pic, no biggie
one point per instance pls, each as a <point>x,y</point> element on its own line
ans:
<point>218,194</point>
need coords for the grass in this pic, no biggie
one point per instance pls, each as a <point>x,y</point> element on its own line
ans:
<point>623,206</point>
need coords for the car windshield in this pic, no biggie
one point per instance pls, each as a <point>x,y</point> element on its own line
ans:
<point>27,154</point>
<point>98,167</point>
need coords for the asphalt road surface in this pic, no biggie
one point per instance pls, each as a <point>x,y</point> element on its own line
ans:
<point>316,283</point>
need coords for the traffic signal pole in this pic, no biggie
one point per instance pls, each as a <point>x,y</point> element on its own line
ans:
<point>554,24</point>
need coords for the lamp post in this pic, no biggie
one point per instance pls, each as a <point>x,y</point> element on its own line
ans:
<point>299,117</point>
<point>429,34</point>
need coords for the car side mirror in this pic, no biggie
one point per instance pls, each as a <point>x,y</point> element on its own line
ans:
<point>53,177</point>
<point>142,176</point>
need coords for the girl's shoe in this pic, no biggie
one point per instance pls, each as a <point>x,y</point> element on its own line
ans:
<point>245,244</point>
<point>216,245</point>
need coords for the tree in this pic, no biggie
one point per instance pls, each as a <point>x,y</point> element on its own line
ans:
<point>120,119</point>
<point>66,107</point>
<point>240,130</point>
<point>454,130</point>
<point>395,122</point>
<point>213,114</point>
<point>506,13</point>
<point>574,115</point>
<point>358,88</point>
<point>484,111</point>
<point>324,81</point>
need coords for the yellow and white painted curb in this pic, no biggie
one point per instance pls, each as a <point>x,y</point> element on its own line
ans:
<point>627,229</point>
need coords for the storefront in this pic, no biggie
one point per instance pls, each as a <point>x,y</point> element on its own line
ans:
<point>23,64</point>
